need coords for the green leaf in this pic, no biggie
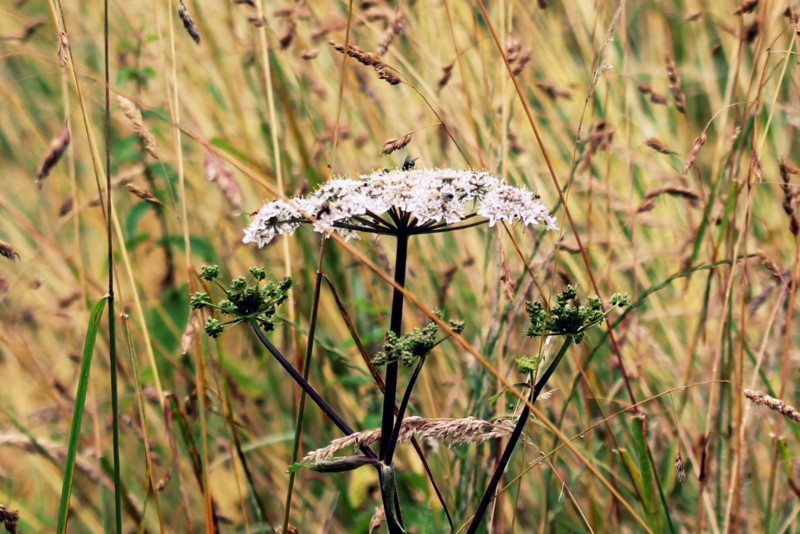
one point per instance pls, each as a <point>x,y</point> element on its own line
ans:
<point>77,413</point>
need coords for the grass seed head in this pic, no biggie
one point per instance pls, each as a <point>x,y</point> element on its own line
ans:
<point>56,149</point>
<point>188,23</point>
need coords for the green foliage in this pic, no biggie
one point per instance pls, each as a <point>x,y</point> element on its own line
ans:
<point>568,316</point>
<point>244,301</point>
<point>409,348</point>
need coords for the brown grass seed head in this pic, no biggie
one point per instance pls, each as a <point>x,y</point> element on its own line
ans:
<point>395,143</point>
<point>56,149</point>
<point>188,23</point>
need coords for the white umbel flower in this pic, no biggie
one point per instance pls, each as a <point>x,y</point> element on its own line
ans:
<point>394,202</point>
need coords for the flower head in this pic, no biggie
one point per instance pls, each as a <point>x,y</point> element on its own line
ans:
<point>395,201</point>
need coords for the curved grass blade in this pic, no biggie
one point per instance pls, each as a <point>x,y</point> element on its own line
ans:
<point>77,414</point>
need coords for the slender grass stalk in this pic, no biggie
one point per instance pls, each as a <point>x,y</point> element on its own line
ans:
<point>77,413</point>
<point>112,338</point>
<point>488,495</point>
<point>312,327</point>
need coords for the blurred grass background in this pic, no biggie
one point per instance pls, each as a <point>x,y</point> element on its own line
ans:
<point>265,96</point>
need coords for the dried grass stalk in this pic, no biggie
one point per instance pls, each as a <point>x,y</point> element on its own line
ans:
<point>218,172</point>
<point>690,160</point>
<point>453,431</point>
<point>675,84</point>
<point>63,50</point>
<point>447,71</point>
<point>188,23</point>
<point>144,194</point>
<point>397,27</point>
<point>395,143</point>
<point>658,146</point>
<point>745,7</point>
<point>133,114</point>
<point>644,88</point>
<point>10,518</point>
<point>8,251</point>
<point>54,152</point>
<point>759,397</point>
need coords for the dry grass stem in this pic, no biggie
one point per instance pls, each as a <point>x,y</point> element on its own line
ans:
<point>10,518</point>
<point>56,149</point>
<point>8,251</point>
<point>777,405</point>
<point>395,143</point>
<point>395,28</point>
<point>309,54</point>
<point>698,144</point>
<point>188,23</point>
<point>133,114</point>
<point>453,431</point>
<point>675,84</point>
<point>658,146</point>
<point>218,172</point>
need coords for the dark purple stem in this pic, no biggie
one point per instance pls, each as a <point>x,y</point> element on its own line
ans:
<point>303,383</point>
<point>488,495</point>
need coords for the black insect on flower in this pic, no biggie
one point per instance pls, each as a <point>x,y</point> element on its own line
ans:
<point>409,163</point>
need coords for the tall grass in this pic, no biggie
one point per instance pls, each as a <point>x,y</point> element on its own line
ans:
<point>661,134</point>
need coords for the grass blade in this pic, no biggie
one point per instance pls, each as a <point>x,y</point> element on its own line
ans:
<point>77,414</point>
